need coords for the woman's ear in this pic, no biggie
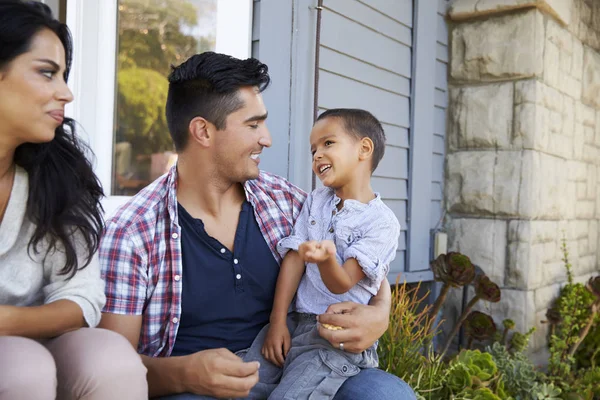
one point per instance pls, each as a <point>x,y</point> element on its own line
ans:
<point>200,131</point>
<point>366,149</point>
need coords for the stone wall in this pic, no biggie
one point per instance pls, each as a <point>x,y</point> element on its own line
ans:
<point>523,164</point>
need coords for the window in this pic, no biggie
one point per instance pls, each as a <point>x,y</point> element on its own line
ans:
<point>122,55</point>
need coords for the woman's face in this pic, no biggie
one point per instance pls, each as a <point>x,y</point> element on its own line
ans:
<point>33,92</point>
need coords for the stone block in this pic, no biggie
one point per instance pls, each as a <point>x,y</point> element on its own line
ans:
<point>581,191</point>
<point>466,9</point>
<point>591,153</point>
<point>552,73</point>
<point>505,47</point>
<point>560,37</point>
<point>509,188</point>
<point>591,78</point>
<point>578,170</point>
<point>517,305</point>
<point>484,242</point>
<point>481,117</point>
<point>471,182</point>
<point>534,255</point>
<point>585,209</point>
<point>577,69</point>
<point>545,296</point>
<point>568,117</point>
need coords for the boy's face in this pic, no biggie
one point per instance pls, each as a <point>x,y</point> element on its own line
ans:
<point>335,152</point>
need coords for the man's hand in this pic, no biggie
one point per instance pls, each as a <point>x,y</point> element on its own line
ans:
<point>317,252</point>
<point>277,343</point>
<point>362,325</point>
<point>219,373</point>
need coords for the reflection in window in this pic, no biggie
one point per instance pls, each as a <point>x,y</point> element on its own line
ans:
<point>153,35</point>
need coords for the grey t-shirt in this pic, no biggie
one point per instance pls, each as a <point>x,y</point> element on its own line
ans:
<point>367,232</point>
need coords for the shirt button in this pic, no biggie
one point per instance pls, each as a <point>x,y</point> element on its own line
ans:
<point>238,276</point>
<point>175,320</point>
<point>177,278</point>
<point>235,261</point>
<point>345,368</point>
<point>175,235</point>
<point>313,222</point>
<point>223,250</point>
<point>330,230</point>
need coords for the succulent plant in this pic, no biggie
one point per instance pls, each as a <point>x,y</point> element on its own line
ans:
<point>479,394</point>
<point>520,341</point>
<point>487,290</point>
<point>593,286</point>
<point>484,289</point>
<point>508,325</point>
<point>548,392</point>
<point>453,270</point>
<point>479,326</point>
<point>481,366</point>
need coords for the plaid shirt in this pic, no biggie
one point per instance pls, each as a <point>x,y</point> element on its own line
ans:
<point>140,252</point>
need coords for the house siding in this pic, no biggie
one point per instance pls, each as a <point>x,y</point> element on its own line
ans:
<point>439,115</point>
<point>366,62</point>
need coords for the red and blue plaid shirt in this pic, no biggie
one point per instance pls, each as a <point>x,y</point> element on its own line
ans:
<point>140,252</point>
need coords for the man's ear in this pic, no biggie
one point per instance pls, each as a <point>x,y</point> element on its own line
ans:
<point>201,131</point>
<point>366,149</point>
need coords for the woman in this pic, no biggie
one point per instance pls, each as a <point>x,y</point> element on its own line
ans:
<point>51,292</point>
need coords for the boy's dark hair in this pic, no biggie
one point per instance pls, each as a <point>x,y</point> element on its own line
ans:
<point>206,85</point>
<point>360,124</point>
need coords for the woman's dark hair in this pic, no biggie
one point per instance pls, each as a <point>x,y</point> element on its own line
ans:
<point>64,193</point>
<point>207,85</point>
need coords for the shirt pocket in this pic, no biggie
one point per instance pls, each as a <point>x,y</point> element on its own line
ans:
<point>344,237</point>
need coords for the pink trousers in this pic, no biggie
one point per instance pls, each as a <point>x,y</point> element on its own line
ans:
<point>89,364</point>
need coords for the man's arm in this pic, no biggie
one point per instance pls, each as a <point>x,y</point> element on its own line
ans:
<point>217,372</point>
<point>363,324</point>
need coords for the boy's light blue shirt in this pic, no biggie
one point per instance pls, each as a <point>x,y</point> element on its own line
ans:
<point>367,232</point>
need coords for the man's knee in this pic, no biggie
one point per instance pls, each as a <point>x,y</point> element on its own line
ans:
<point>28,370</point>
<point>97,363</point>
<point>374,383</point>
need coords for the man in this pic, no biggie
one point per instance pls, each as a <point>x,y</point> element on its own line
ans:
<point>190,262</point>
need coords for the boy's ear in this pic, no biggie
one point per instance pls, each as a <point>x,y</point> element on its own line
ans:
<point>366,149</point>
<point>200,131</point>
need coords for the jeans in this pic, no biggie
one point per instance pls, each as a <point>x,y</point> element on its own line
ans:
<point>369,384</point>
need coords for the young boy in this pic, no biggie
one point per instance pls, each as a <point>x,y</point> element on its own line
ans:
<point>340,250</point>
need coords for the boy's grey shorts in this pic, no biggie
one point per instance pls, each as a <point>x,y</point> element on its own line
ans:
<point>313,368</point>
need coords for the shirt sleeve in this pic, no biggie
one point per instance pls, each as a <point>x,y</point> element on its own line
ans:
<point>299,233</point>
<point>125,270</point>
<point>85,288</point>
<point>375,249</point>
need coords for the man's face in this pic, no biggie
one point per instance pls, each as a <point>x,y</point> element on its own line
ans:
<point>238,146</point>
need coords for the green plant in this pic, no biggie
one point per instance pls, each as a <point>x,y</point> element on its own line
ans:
<point>549,392</point>
<point>486,290</point>
<point>518,373</point>
<point>519,341</point>
<point>478,394</point>
<point>401,346</point>
<point>453,270</point>
<point>479,326</point>
<point>508,325</point>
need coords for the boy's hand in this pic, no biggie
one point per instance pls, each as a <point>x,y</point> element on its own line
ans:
<point>316,252</point>
<point>277,344</point>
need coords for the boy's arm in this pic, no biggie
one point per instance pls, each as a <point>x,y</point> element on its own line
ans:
<point>340,280</point>
<point>290,274</point>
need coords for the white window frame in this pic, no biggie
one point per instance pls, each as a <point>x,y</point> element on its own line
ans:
<point>93,24</point>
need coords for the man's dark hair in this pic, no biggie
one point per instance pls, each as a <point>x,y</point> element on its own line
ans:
<point>206,85</point>
<point>360,124</point>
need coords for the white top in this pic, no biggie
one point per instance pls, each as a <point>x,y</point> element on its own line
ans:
<point>367,232</point>
<point>27,280</point>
